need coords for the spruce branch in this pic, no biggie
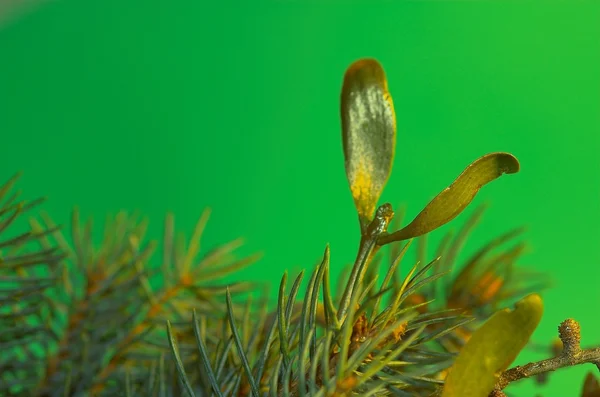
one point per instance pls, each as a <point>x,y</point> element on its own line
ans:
<point>29,276</point>
<point>86,313</point>
<point>572,354</point>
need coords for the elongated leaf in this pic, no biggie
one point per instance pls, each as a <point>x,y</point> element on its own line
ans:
<point>204,356</point>
<point>264,353</point>
<point>492,348</point>
<point>330,313</point>
<point>465,274</point>
<point>368,134</point>
<point>314,304</point>
<point>240,347</point>
<point>456,197</point>
<point>304,321</point>
<point>179,363</point>
<point>281,323</point>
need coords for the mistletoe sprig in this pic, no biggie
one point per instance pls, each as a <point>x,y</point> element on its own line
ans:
<point>369,141</point>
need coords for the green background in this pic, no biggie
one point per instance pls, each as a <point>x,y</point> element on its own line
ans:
<point>178,105</point>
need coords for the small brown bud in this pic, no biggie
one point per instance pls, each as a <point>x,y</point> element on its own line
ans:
<point>569,332</point>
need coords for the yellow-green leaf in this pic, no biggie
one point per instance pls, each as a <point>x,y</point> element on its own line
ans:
<point>456,197</point>
<point>368,134</point>
<point>492,348</point>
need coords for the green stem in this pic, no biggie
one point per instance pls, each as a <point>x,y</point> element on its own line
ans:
<point>364,251</point>
<point>368,242</point>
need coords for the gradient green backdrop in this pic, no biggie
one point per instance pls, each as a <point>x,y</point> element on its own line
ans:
<point>178,105</point>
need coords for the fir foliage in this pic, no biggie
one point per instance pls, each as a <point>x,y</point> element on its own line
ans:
<point>82,318</point>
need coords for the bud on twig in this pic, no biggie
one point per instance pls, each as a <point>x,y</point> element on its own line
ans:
<point>569,332</point>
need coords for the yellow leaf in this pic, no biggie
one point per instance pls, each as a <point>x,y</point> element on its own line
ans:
<point>456,197</point>
<point>368,134</point>
<point>492,348</point>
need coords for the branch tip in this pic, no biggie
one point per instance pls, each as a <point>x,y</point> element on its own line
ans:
<point>569,332</point>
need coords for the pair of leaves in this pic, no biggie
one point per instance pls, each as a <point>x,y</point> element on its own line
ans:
<point>492,348</point>
<point>369,141</point>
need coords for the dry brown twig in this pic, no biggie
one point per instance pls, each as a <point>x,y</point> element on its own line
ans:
<point>572,354</point>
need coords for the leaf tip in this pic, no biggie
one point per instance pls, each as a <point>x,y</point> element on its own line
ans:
<point>531,300</point>
<point>327,252</point>
<point>507,163</point>
<point>365,70</point>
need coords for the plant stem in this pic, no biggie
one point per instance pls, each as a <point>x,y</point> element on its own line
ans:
<point>368,243</point>
<point>571,355</point>
<point>364,252</point>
